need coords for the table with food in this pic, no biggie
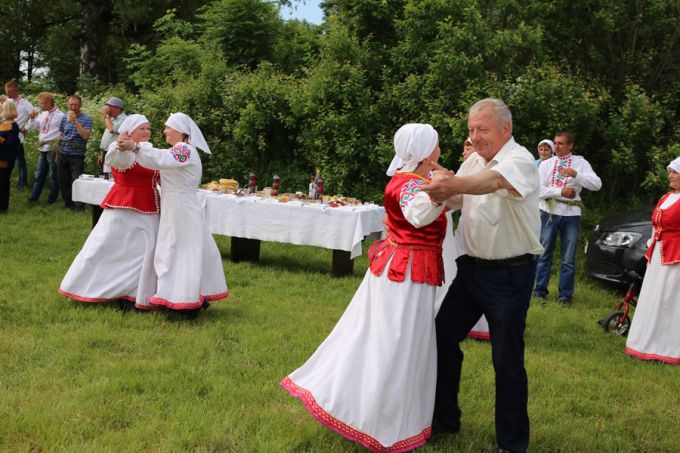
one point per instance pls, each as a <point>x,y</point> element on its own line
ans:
<point>249,216</point>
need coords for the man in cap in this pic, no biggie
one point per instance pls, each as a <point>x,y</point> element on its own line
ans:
<point>113,117</point>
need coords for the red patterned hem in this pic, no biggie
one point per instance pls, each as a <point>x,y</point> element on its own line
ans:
<point>661,358</point>
<point>159,301</point>
<point>95,299</point>
<point>347,431</point>
<point>479,335</point>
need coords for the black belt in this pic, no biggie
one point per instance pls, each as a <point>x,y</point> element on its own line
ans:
<point>520,260</point>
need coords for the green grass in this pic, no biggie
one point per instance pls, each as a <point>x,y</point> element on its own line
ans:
<point>90,378</point>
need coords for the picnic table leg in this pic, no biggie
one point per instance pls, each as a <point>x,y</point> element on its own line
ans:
<point>96,213</point>
<point>343,264</point>
<point>244,249</point>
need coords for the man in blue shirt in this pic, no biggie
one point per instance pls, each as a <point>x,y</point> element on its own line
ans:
<point>75,130</point>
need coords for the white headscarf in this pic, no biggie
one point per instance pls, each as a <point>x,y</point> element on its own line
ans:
<point>184,124</point>
<point>412,143</point>
<point>550,143</point>
<point>675,165</point>
<point>131,122</point>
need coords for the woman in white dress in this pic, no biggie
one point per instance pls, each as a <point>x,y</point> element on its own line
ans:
<point>187,260</point>
<point>373,379</point>
<point>116,262</point>
<point>655,330</point>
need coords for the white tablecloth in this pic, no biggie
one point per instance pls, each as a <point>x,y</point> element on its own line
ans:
<point>341,228</point>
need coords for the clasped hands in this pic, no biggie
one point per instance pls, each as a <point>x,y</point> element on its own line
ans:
<point>125,143</point>
<point>444,184</point>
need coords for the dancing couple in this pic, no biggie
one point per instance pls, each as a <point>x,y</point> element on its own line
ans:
<point>153,254</point>
<point>392,364</point>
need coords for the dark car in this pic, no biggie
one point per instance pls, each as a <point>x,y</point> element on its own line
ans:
<point>618,245</point>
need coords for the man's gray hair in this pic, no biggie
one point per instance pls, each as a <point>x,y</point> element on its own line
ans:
<point>500,111</point>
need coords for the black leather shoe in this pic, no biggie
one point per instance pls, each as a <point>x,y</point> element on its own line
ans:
<point>440,427</point>
<point>565,303</point>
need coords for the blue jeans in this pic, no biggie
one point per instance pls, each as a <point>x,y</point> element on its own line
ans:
<point>21,165</point>
<point>46,164</point>
<point>567,227</point>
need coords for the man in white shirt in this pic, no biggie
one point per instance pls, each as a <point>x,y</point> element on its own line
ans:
<point>113,118</point>
<point>563,176</point>
<point>47,123</point>
<point>24,110</point>
<point>501,228</point>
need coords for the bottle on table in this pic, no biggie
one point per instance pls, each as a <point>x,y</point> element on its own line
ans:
<point>252,183</point>
<point>312,188</point>
<point>276,185</point>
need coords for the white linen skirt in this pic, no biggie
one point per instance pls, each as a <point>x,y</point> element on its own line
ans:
<point>655,330</point>
<point>116,261</point>
<point>187,260</point>
<point>373,378</point>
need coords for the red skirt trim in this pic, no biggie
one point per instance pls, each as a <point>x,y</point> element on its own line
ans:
<point>426,263</point>
<point>347,431</point>
<point>479,335</point>
<point>93,300</point>
<point>101,300</point>
<point>661,358</point>
<point>187,305</point>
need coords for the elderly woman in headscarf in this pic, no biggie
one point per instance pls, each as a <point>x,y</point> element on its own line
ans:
<point>546,149</point>
<point>187,260</point>
<point>655,331</point>
<point>116,262</point>
<point>373,379</point>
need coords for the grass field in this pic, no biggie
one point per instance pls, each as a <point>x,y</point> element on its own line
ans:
<point>90,378</point>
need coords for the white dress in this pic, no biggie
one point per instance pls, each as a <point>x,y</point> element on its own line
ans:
<point>116,261</point>
<point>187,260</point>
<point>373,378</point>
<point>452,248</point>
<point>655,330</point>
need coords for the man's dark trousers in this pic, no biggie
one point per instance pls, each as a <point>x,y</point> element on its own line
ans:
<point>502,294</point>
<point>70,168</point>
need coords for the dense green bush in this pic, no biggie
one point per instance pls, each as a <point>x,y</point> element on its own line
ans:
<point>286,97</point>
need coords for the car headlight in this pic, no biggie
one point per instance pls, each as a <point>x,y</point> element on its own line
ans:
<point>620,239</point>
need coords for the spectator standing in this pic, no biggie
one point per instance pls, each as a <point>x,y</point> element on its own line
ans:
<point>47,122</point>
<point>9,143</point>
<point>498,187</point>
<point>546,150</point>
<point>113,117</point>
<point>24,110</point>
<point>563,177</point>
<point>75,128</point>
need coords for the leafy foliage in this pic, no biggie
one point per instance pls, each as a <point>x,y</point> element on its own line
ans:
<point>284,97</point>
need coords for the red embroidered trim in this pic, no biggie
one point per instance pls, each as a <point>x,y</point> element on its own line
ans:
<point>347,431</point>
<point>187,305</point>
<point>111,206</point>
<point>93,300</point>
<point>479,335</point>
<point>661,358</point>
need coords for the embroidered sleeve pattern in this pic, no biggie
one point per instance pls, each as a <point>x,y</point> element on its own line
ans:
<point>181,152</point>
<point>409,191</point>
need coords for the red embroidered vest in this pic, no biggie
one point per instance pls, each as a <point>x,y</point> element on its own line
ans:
<point>667,230</point>
<point>134,189</point>
<point>406,245</point>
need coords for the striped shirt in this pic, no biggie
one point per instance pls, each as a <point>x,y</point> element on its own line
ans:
<point>69,134</point>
